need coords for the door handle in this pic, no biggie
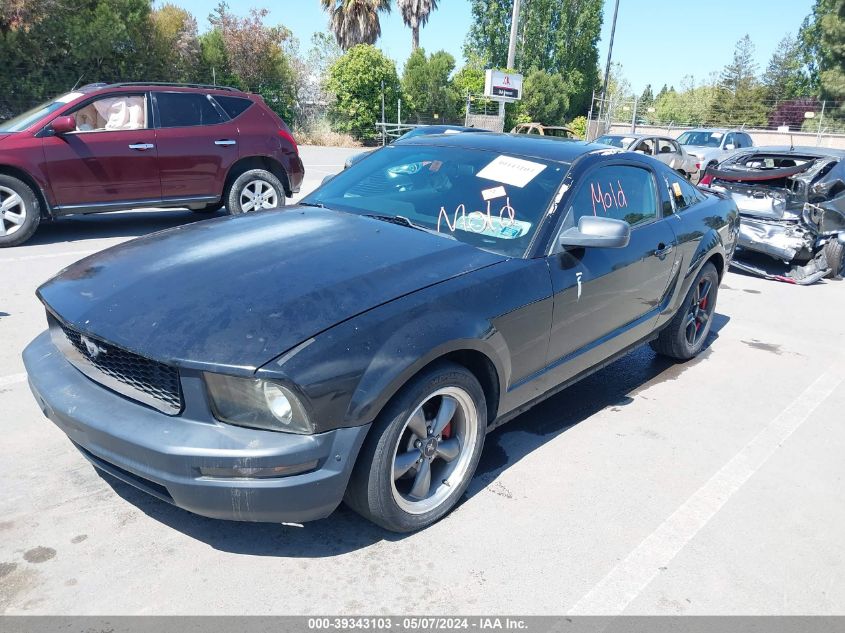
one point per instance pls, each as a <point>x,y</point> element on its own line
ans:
<point>225,142</point>
<point>662,250</point>
<point>141,146</point>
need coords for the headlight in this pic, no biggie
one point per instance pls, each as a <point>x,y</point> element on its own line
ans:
<point>256,403</point>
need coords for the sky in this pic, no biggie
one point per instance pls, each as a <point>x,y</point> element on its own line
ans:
<point>657,41</point>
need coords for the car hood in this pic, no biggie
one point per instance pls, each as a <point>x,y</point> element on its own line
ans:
<point>236,292</point>
<point>699,150</point>
<point>3,135</point>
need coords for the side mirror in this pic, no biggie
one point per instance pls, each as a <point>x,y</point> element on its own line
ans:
<point>63,125</point>
<point>597,232</point>
<point>730,146</point>
<point>327,178</point>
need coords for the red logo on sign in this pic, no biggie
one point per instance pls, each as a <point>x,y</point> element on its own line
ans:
<point>507,81</point>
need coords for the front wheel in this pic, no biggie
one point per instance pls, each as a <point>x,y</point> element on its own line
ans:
<point>20,213</point>
<point>255,190</point>
<point>422,451</point>
<point>686,333</point>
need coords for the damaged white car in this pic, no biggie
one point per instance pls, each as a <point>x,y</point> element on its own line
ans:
<point>792,209</point>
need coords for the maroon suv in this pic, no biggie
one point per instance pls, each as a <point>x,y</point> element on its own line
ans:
<point>124,146</point>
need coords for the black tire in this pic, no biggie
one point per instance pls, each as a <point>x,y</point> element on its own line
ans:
<point>834,253</point>
<point>246,180</point>
<point>683,338</point>
<point>209,208</point>
<point>375,494</point>
<point>20,220</point>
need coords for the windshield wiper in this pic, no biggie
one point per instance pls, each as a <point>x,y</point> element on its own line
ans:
<point>403,221</point>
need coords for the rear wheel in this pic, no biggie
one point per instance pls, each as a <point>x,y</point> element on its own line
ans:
<point>686,333</point>
<point>255,190</point>
<point>20,212</point>
<point>422,451</point>
<point>834,252</point>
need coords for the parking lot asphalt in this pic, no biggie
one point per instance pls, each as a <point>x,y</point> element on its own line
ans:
<point>711,487</point>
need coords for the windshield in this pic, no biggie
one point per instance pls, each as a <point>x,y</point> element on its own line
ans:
<point>491,200</point>
<point>615,141</point>
<point>702,139</point>
<point>23,121</point>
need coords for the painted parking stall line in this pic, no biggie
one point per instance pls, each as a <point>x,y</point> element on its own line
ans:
<point>614,592</point>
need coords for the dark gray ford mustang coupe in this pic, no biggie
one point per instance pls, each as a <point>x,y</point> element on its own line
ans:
<point>359,346</point>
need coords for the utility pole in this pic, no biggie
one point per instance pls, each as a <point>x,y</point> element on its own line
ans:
<point>511,51</point>
<point>514,32</point>
<point>609,56</point>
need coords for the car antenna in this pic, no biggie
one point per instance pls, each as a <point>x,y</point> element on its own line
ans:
<point>791,143</point>
<point>81,77</point>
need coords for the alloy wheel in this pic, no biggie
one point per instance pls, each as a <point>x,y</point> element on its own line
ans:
<point>12,211</point>
<point>257,195</point>
<point>700,310</point>
<point>434,450</point>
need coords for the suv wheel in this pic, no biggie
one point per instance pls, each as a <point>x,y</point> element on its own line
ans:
<point>422,451</point>
<point>684,337</point>
<point>255,190</point>
<point>20,212</point>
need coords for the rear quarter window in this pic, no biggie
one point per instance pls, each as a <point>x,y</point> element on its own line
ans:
<point>233,106</point>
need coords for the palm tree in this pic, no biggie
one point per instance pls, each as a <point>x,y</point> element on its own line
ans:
<point>415,14</point>
<point>355,21</point>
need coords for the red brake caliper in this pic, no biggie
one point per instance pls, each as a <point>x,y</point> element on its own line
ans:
<point>447,432</point>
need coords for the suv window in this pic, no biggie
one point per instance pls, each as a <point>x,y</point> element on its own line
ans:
<point>234,106</point>
<point>185,109</point>
<point>684,194</point>
<point>744,139</point>
<point>729,140</point>
<point>112,113</point>
<point>617,191</point>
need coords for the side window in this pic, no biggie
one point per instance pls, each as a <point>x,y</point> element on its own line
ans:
<point>234,106</point>
<point>186,109</point>
<point>618,191</point>
<point>729,140</point>
<point>746,140</point>
<point>666,146</point>
<point>684,194</point>
<point>112,113</point>
<point>644,147</point>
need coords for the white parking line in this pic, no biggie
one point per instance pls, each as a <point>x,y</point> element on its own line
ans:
<point>628,578</point>
<point>14,379</point>
<point>26,258</point>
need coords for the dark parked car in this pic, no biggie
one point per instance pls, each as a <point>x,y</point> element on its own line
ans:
<point>124,146</point>
<point>359,346</point>
<point>422,130</point>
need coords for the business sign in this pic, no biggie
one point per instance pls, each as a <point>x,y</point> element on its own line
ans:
<point>502,86</point>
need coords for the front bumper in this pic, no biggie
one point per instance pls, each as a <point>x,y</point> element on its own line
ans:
<point>162,455</point>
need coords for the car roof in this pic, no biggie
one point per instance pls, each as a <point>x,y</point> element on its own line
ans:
<point>154,85</point>
<point>543,147</point>
<point>724,130</point>
<point>792,151</point>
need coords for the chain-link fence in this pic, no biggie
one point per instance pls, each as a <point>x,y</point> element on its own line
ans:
<point>814,121</point>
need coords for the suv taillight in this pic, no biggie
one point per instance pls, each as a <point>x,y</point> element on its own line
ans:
<point>706,180</point>
<point>289,138</point>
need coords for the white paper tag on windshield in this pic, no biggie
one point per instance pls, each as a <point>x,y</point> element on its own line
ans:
<point>511,171</point>
<point>452,132</point>
<point>493,193</point>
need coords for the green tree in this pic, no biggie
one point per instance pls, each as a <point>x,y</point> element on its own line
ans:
<point>739,98</point>
<point>784,78</point>
<point>558,36</point>
<point>545,98</point>
<point>822,39</point>
<point>356,81</point>
<point>426,88</point>
<point>415,14</point>
<point>177,46</point>
<point>355,22</point>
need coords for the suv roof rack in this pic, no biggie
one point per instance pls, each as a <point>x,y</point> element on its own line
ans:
<point>172,84</point>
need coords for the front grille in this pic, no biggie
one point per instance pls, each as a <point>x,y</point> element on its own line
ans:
<point>134,376</point>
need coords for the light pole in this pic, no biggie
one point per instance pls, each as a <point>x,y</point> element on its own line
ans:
<point>609,55</point>
<point>514,30</point>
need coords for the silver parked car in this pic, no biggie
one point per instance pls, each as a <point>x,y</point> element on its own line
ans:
<point>663,148</point>
<point>710,145</point>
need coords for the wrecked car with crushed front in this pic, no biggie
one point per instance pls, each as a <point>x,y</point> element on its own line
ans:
<point>359,346</point>
<point>791,202</point>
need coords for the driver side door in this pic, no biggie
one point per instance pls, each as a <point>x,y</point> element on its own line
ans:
<point>606,299</point>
